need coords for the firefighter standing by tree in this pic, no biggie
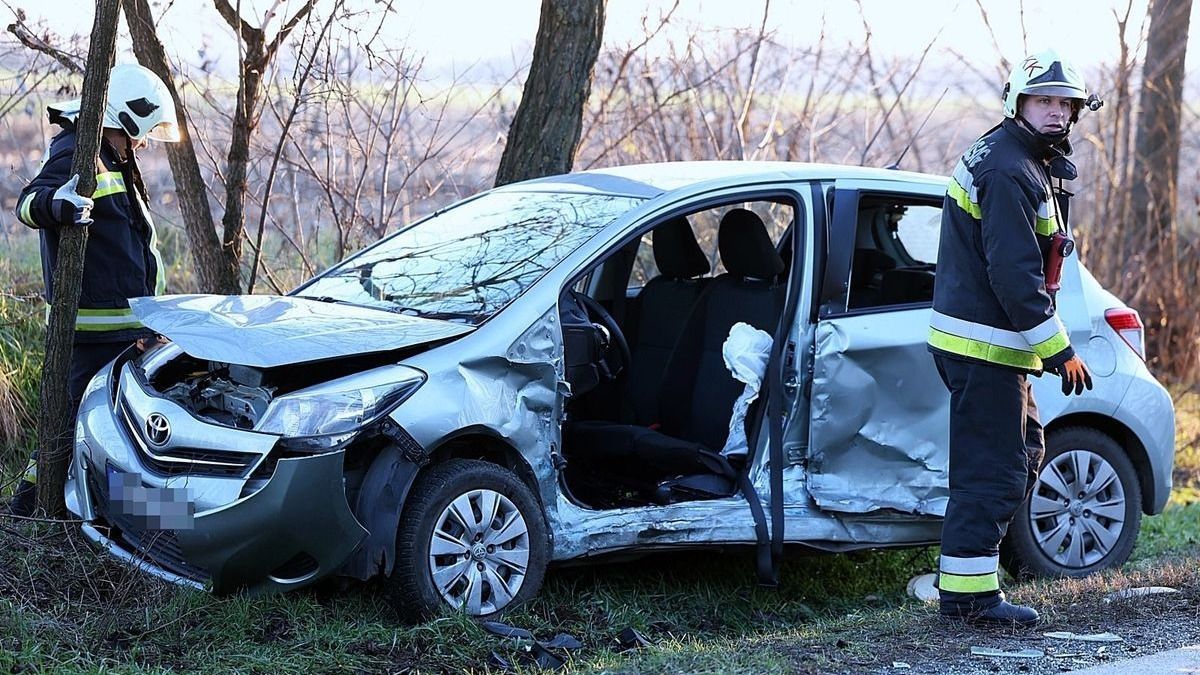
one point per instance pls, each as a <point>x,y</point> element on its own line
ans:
<point>1003,234</point>
<point>121,260</point>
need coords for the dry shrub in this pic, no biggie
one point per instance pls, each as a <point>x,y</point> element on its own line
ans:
<point>15,417</point>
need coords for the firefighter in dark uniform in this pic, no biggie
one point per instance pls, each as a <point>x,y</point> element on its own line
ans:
<point>121,260</point>
<point>994,322</point>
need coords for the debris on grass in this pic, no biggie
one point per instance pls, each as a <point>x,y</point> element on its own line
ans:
<point>1139,592</point>
<point>563,641</point>
<point>923,587</point>
<point>1000,653</point>
<point>1090,637</point>
<point>900,665</point>
<point>630,638</point>
<point>505,630</point>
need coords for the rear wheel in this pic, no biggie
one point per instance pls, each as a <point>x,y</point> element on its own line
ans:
<point>1084,512</point>
<point>471,538</point>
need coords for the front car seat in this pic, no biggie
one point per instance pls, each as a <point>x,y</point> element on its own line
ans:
<point>696,399</point>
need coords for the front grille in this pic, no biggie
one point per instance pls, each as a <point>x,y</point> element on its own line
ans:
<point>186,461</point>
<point>160,547</point>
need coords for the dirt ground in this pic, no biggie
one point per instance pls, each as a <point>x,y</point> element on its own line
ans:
<point>929,644</point>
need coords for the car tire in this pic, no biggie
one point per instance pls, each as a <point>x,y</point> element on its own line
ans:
<point>1058,534</point>
<point>481,568</point>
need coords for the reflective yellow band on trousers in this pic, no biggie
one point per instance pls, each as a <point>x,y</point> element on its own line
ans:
<point>983,351</point>
<point>964,583</point>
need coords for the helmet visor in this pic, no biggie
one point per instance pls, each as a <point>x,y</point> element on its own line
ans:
<point>1055,89</point>
<point>167,132</point>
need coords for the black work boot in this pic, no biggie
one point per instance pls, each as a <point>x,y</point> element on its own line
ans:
<point>24,500</point>
<point>1003,613</point>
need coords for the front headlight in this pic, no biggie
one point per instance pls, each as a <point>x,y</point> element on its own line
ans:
<point>328,414</point>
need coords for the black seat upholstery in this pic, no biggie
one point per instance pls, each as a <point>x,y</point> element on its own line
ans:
<point>696,398</point>
<point>661,311</point>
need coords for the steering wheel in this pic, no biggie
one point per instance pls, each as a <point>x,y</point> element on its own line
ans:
<point>612,361</point>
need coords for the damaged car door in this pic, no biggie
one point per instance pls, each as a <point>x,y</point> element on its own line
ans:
<point>879,412</point>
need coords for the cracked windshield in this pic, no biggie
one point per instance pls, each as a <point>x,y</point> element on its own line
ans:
<point>467,263</point>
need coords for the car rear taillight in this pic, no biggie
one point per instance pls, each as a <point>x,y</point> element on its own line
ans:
<point>1128,325</point>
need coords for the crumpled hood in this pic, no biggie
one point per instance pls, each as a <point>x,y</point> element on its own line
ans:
<point>265,331</point>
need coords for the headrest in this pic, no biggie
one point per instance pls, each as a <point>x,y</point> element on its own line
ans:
<point>746,248</point>
<point>676,252</point>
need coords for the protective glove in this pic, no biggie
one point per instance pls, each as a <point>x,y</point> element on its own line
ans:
<point>69,207</point>
<point>1075,376</point>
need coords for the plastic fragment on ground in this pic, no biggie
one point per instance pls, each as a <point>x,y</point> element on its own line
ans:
<point>543,658</point>
<point>630,638</point>
<point>1139,592</point>
<point>923,588</point>
<point>1000,653</point>
<point>900,665</point>
<point>562,641</point>
<point>1089,637</point>
<point>499,662</point>
<point>505,630</point>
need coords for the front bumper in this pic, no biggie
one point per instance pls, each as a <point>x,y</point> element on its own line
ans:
<point>291,531</point>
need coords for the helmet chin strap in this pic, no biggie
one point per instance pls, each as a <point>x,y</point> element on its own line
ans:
<point>1048,138</point>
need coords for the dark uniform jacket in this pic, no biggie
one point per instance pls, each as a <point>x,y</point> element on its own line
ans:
<point>121,260</point>
<point>990,302</point>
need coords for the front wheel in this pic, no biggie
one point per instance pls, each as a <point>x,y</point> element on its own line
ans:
<point>1084,512</point>
<point>471,538</point>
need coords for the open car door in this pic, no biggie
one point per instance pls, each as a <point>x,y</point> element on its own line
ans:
<point>878,432</point>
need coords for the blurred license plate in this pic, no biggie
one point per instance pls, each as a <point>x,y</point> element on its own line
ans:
<point>147,507</point>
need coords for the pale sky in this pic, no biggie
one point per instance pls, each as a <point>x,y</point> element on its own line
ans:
<point>457,34</point>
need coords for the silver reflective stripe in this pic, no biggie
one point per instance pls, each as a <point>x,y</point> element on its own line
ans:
<point>963,177</point>
<point>1046,209</point>
<point>979,332</point>
<point>1044,330</point>
<point>982,565</point>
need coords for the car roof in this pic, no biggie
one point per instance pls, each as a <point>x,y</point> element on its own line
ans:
<point>652,180</point>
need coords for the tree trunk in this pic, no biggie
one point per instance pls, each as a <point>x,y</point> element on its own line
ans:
<point>1156,149</point>
<point>549,119</point>
<point>236,162</point>
<point>212,270</point>
<point>55,431</point>
<point>256,57</point>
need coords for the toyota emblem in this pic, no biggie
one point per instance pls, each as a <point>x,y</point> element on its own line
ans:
<point>158,429</point>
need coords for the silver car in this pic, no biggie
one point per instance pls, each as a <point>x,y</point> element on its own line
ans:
<point>538,374</point>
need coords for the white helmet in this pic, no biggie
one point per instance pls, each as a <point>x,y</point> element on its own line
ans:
<point>138,103</point>
<point>1047,74</point>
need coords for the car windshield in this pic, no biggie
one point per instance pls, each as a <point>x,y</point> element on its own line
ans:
<point>468,262</point>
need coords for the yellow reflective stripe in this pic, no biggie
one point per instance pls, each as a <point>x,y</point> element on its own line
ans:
<point>961,197</point>
<point>25,213</point>
<point>964,583</point>
<point>1045,226</point>
<point>1050,347</point>
<point>108,183</point>
<point>92,320</point>
<point>30,472</point>
<point>983,351</point>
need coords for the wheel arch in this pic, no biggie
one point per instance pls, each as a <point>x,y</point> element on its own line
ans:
<point>1125,437</point>
<point>482,443</point>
